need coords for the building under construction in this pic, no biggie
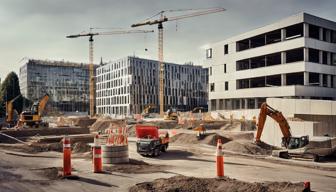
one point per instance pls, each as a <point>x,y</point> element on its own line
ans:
<point>127,85</point>
<point>67,84</point>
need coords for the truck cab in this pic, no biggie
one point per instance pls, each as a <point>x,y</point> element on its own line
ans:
<point>150,142</point>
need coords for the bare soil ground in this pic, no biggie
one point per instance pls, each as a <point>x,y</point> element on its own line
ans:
<point>136,167</point>
<point>193,184</point>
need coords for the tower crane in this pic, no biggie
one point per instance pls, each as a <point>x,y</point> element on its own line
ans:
<point>162,18</point>
<point>91,66</point>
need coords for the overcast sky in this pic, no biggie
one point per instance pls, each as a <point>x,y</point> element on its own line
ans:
<point>37,28</point>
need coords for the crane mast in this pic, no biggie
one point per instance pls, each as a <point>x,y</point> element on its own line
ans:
<point>91,65</point>
<point>160,22</point>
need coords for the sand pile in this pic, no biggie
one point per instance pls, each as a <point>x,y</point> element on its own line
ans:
<point>193,184</point>
<point>135,166</point>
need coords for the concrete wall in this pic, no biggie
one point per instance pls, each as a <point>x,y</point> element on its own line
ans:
<point>272,133</point>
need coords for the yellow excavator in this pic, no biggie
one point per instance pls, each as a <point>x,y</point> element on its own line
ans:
<point>33,117</point>
<point>171,114</point>
<point>148,109</point>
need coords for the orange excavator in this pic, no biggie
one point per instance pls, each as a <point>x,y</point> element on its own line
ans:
<point>296,146</point>
<point>266,110</point>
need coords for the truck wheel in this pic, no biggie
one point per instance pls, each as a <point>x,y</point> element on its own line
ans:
<point>156,152</point>
<point>316,158</point>
<point>163,148</point>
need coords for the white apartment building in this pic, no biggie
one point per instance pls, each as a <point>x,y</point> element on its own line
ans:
<point>292,58</point>
<point>127,85</point>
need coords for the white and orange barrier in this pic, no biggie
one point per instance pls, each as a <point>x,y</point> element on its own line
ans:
<point>219,159</point>
<point>66,156</point>
<point>97,157</point>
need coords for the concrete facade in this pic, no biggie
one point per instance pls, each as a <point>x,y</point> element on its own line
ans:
<point>67,84</point>
<point>291,58</point>
<point>127,85</point>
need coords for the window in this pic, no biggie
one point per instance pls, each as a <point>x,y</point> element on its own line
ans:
<point>294,55</point>
<point>209,53</point>
<point>212,87</point>
<point>332,58</point>
<point>294,31</point>
<point>224,68</point>
<point>226,49</point>
<point>325,57</point>
<point>314,31</point>
<point>333,36</point>
<point>226,86</point>
<point>314,55</point>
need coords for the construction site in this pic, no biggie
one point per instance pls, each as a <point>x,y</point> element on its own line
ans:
<point>250,118</point>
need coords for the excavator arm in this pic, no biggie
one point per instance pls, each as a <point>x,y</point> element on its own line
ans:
<point>10,109</point>
<point>265,111</point>
<point>42,104</point>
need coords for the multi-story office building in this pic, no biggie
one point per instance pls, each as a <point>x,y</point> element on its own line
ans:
<point>292,58</point>
<point>127,85</point>
<point>67,84</point>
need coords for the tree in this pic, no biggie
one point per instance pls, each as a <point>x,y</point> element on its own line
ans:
<point>10,88</point>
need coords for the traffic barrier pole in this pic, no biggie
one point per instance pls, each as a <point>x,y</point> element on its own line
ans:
<point>66,156</point>
<point>306,185</point>
<point>219,159</point>
<point>97,159</point>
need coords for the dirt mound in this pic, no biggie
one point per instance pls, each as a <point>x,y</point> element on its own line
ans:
<point>106,122</point>
<point>193,184</point>
<point>83,122</point>
<point>135,166</point>
<point>240,135</point>
<point>187,138</point>
<point>51,173</point>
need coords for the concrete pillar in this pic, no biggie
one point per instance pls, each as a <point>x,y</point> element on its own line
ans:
<point>283,34</point>
<point>329,58</point>
<point>329,81</point>
<point>321,80</point>
<point>334,82</point>
<point>256,103</point>
<point>283,57</point>
<point>320,56</point>
<point>246,104</point>
<point>306,78</point>
<point>305,30</point>
<point>283,80</point>
<point>240,103</point>
<point>321,33</point>
<point>305,54</point>
<point>217,104</point>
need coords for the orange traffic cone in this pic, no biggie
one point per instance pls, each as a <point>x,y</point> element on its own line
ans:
<point>219,159</point>
<point>97,157</point>
<point>66,156</point>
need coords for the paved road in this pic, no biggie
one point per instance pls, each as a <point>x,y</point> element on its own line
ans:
<point>200,163</point>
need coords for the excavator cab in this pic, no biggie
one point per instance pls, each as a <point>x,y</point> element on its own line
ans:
<point>298,142</point>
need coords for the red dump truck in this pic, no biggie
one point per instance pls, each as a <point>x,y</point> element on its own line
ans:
<point>150,141</point>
